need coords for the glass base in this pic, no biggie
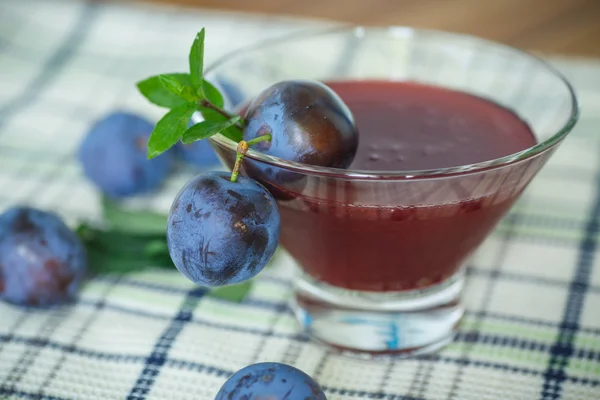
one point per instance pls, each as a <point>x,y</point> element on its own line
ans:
<point>371,324</point>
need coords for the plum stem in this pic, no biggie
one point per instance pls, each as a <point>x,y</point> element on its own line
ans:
<point>228,115</point>
<point>242,149</point>
<point>263,138</point>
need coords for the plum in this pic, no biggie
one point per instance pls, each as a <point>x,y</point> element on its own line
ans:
<point>42,261</point>
<point>221,232</point>
<point>113,155</point>
<point>270,380</point>
<point>309,123</point>
<point>198,153</point>
<point>232,93</point>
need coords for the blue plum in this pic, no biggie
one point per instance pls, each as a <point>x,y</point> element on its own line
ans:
<point>113,155</point>
<point>42,261</point>
<point>198,153</point>
<point>231,92</point>
<point>308,121</point>
<point>221,232</point>
<point>270,381</point>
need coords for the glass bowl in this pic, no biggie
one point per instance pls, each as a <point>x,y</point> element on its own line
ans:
<point>380,254</point>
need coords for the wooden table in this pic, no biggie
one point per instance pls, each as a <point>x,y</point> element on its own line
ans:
<point>552,26</point>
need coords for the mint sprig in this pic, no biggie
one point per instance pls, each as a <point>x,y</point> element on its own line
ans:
<point>134,241</point>
<point>205,129</point>
<point>212,94</point>
<point>153,89</point>
<point>185,94</point>
<point>178,85</point>
<point>169,129</point>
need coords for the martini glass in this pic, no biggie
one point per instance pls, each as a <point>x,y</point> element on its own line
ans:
<point>380,255</point>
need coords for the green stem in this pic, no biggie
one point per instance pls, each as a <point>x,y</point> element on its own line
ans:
<point>208,104</point>
<point>242,149</point>
<point>263,138</point>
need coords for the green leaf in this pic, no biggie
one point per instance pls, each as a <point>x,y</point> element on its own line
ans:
<point>205,129</point>
<point>179,87</point>
<point>156,249</point>
<point>169,129</point>
<point>110,251</point>
<point>156,93</point>
<point>106,262</point>
<point>212,94</point>
<point>101,262</point>
<point>188,93</point>
<point>196,60</point>
<point>232,132</point>
<point>140,221</point>
<point>234,293</point>
<point>171,84</point>
<point>120,243</point>
<point>183,79</point>
<point>113,251</point>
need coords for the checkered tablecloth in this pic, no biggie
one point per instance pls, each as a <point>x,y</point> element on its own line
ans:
<point>532,327</point>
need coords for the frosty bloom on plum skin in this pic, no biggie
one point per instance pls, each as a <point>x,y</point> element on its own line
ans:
<point>42,262</point>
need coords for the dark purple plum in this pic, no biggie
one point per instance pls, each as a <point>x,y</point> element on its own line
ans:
<point>42,261</point>
<point>221,232</point>
<point>308,121</point>
<point>272,381</point>
<point>113,155</point>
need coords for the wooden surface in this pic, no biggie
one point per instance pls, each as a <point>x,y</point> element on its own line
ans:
<point>550,26</point>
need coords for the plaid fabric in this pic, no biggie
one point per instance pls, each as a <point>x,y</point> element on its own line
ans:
<point>532,328</point>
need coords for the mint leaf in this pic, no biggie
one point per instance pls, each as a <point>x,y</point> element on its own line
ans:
<point>169,129</point>
<point>156,249</point>
<point>122,243</point>
<point>231,132</point>
<point>171,84</point>
<point>114,251</point>
<point>111,251</point>
<point>140,221</point>
<point>188,93</point>
<point>134,241</point>
<point>104,262</point>
<point>234,293</point>
<point>179,87</point>
<point>196,60</point>
<point>205,129</point>
<point>212,94</point>
<point>183,79</point>
<point>153,90</point>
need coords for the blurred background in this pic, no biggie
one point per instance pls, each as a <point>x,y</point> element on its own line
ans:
<point>546,26</point>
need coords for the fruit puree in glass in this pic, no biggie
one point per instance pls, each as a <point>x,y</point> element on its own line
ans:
<point>403,126</point>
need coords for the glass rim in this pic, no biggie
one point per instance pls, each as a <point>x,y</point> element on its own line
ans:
<point>399,174</point>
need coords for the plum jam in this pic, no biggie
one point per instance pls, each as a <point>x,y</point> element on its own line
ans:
<point>346,237</point>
